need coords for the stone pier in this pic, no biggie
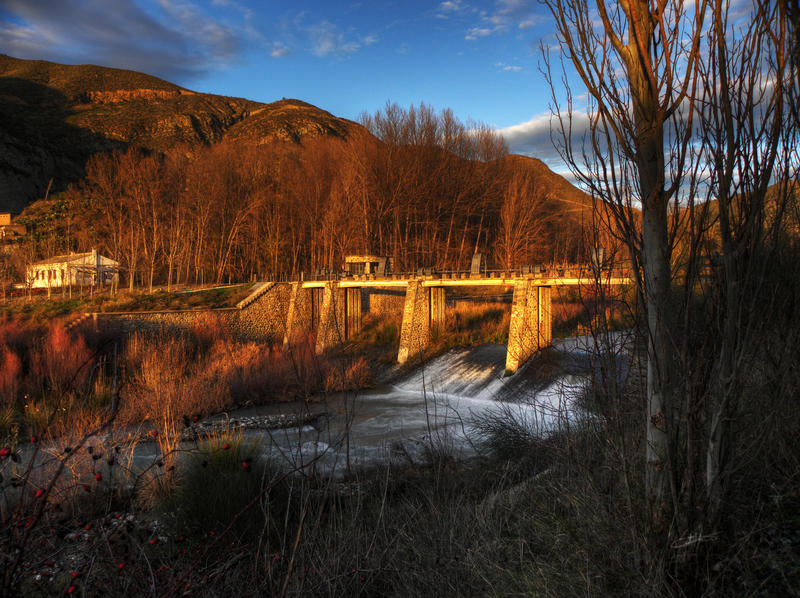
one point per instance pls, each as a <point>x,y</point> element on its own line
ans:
<point>340,314</point>
<point>416,328</point>
<point>530,327</point>
<point>332,329</point>
<point>300,313</point>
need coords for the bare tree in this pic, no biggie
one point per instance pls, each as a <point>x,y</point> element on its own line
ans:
<point>522,221</point>
<point>638,62</point>
<point>686,110</point>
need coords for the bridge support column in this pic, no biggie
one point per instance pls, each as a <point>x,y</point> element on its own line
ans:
<point>415,330</point>
<point>339,315</point>
<point>437,308</point>
<point>332,329</point>
<point>300,314</point>
<point>530,327</point>
<point>353,307</point>
<point>545,316</point>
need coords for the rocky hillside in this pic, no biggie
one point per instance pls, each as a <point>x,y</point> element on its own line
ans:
<point>53,117</point>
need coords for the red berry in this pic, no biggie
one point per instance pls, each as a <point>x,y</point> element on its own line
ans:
<point>71,589</point>
<point>246,465</point>
<point>98,476</point>
<point>5,451</point>
<point>86,488</point>
<point>153,541</point>
<point>121,566</point>
<point>226,446</point>
<point>75,574</point>
<point>34,439</point>
<point>195,418</point>
<point>39,493</point>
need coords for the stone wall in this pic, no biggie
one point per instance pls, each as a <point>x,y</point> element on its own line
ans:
<point>383,302</point>
<point>262,320</point>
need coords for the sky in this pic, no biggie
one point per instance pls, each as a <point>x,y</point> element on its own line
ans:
<point>479,58</point>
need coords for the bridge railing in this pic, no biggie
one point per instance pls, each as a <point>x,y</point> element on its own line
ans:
<point>572,271</point>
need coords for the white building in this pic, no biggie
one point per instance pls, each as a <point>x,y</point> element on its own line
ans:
<point>75,269</point>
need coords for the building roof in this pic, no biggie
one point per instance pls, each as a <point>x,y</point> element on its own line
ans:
<point>360,259</point>
<point>71,257</point>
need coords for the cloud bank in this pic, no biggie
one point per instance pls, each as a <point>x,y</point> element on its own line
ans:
<point>177,41</point>
<point>532,138</point>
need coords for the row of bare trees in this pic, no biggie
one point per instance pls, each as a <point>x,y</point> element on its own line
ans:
<point>423,188</point>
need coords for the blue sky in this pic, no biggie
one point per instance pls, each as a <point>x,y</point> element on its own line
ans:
<point>479,58</point>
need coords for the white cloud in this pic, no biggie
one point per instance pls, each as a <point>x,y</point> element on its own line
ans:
<point>451,6</point>
<point>505,15</point>
<point>328,40</point>
<point>508,67</point>
<point>454,8</point>
<point>532,137</point>
<point>477,32</point>
<point>279,50</point>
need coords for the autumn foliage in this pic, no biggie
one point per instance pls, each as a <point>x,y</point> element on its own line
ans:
<point>420,187</point>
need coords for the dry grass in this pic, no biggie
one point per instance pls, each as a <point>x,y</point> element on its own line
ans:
<point>166,383</point>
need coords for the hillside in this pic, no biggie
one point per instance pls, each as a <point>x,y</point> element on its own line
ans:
<point>238,189</point>
<point>53,117</point>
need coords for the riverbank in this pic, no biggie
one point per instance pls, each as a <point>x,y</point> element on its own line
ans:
<point>433,492</point>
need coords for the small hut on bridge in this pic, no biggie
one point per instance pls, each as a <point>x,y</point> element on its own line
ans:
<point>357,265</point>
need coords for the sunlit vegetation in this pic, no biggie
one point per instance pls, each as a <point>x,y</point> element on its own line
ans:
<point>426,190</point>
<point>38,307</point>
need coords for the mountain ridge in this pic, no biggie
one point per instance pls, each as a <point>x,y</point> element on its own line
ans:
<point>53,117</point>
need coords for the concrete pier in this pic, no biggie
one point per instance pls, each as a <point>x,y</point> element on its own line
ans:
<point>436,303</point>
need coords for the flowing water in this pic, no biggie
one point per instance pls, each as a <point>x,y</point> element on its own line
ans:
<point>436,406</point>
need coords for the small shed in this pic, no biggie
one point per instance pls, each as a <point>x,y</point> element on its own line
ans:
<point>368,264</point>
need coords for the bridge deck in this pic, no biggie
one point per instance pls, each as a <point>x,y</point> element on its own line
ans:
<point>434,281</point>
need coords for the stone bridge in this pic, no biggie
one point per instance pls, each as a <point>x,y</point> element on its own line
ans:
<point>333,306</point>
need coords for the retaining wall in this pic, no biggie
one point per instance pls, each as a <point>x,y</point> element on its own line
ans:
<point>261,320</point>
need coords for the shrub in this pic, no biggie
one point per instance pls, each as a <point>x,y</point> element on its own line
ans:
<point>10,376</point>
<point>224,486</point>
<point>62,361</point>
